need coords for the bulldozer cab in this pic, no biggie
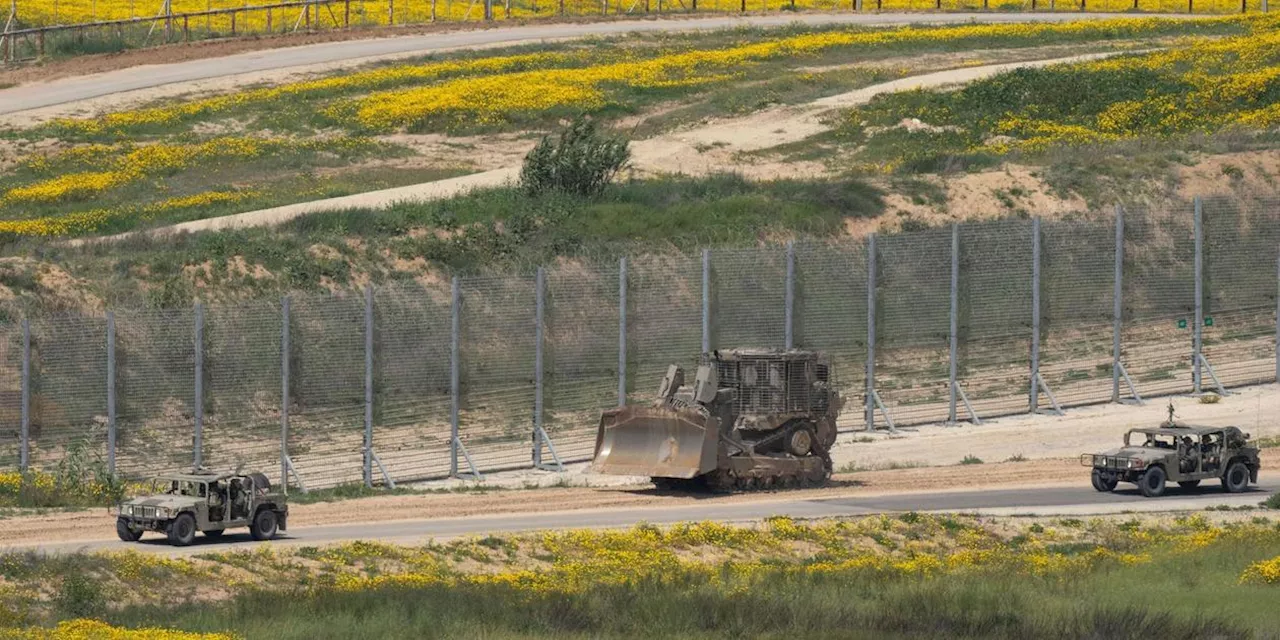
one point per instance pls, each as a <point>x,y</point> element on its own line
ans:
<point>772,387</point>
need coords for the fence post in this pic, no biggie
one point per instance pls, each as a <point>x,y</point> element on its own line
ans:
<point>285,352</point>
<point>24,441</point>
<point>871,333</point>
<point>789,312</point>
<point>368,386</point>
<point>706,300</point>
<point>455,377</point>
<point>954,330</point>
<point>111,393</point>
<point>1196,335</point>
<point>198,441</point>
<point>622,331</point>
<point>1117,306</point>
<point>539,311</point>
<point>1035,314</point>
<point>1278,316</point>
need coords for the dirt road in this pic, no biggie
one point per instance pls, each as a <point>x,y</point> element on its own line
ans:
<point>1073,500</point>
<point>1035,483</point>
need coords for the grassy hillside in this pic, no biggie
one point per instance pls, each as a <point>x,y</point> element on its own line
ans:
<point>1196,117</point>
<point>403,123</point>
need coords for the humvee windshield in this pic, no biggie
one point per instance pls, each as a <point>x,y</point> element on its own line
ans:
<point>1155,440</point>
<point>169,486</point>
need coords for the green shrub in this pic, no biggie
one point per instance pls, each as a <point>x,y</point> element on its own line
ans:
<point>580,161</point>
<point>79,596</point>
<point>971,459</point>
<point>1273,502</point>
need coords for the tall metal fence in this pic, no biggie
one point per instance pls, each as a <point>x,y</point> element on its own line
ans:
<point>475,374</point>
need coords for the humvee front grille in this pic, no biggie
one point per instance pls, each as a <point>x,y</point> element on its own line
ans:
<point>144,512</point>
<point>1111,462</point>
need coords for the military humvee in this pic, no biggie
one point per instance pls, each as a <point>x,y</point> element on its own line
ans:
<point>182,504</point>
<point>1175,452</point>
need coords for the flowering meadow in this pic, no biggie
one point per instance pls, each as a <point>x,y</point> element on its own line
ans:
<point>334,134</point>
<point>97,187</point>
<point>82,629</point>
<point>878,576</point>
<point>402,12</point>
<point>495,88</point>
<point>1199,86</point>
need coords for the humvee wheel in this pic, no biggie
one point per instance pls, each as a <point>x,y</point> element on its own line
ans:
<point>126,534</point>
<point>1236,479</point>
<point>1103,483</point>
<point>264,525</point>
<point>1152,482</point>
<point>182,531</point>
<point>1189,484</point>
<point>214,533</point>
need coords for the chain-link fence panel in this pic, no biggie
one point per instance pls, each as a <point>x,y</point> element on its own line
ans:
<point>995,315</point>
<point>155,374</point>
<point>326,421</point>
<point>748,306</point>
<point>913,322</point>
<point>831,316</point>
<point>1077,285</point>
<point>1240,252</point>
<point>498,342</point>
<point>68,391</point>
<point>242,387</point>
<point>10,394</point>
<point>664,319</point>
<point>581,354</point>
<point>1159,298</point>
<point>411,427</point>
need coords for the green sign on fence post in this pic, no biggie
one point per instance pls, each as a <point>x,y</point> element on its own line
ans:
<point>1182,323</point>
<point>1208,321</point>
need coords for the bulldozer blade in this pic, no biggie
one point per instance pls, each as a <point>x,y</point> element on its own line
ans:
<point>655,442</point>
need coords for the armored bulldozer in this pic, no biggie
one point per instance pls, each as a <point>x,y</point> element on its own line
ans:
<point>753,419</point>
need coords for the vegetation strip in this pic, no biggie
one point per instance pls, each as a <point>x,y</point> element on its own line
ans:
<point>960,576</point>
<point>1200,86</point>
